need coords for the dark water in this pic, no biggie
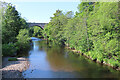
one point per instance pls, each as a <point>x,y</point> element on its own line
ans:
<point>58,62</point>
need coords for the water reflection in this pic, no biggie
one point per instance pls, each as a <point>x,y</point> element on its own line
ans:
<point>57,62</point>
<point>35,47</point>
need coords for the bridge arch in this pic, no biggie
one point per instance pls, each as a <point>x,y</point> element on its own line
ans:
<point>41,25</point>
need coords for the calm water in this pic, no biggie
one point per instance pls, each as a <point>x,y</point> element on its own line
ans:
<point>57,62</point>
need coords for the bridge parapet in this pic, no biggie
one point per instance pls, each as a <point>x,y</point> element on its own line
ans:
<point>37,24</point>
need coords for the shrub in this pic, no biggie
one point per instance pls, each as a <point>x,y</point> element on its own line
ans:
<point>105,60</point>
<point>100,57</point>
<point>113,63</point>
<point>9,49</point>
<point>23,40</point>
<point>12,59</point>
<point>23,36</point>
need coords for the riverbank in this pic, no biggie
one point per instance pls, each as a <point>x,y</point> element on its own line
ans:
<point>89,57</point>
<point>14,69</point>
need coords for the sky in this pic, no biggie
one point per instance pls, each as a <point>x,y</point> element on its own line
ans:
<point>40,11</point>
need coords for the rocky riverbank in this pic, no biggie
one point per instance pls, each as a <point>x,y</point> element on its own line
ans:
<point>91,58</point>
<point>14,69</point>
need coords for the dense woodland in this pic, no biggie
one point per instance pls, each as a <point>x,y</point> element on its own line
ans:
<point>15,31</point>
<point>94,31</point>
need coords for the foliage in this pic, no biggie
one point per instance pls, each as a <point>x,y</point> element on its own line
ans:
<point>11,24</point>
<point>23,36</point>
<point>36,31</point>
<point>23,40</point>
<point>94,30</point>
<point>12,59</point>
<point>55,29</point>
<point>9,49</point>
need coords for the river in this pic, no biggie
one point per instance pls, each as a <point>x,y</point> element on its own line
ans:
<point>52,61</point>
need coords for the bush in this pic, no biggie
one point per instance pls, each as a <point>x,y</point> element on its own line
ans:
<point>105,60</point>
<point>113,63</point>
<point>12,59</point>
<point>23,40</point>
<point>100,57</point>
<point>9,49</point>
<point>23,36</point>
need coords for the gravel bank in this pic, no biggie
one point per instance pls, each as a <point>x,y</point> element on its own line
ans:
<point>14,69</point>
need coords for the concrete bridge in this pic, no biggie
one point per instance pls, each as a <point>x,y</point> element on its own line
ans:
<point>37,24</point>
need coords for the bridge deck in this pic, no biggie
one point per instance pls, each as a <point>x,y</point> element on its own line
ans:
<point>37,24</point>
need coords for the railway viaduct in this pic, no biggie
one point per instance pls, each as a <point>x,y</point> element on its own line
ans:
<point>37,24</point>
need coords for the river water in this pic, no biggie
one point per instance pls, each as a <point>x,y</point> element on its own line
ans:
<point>50,61</point>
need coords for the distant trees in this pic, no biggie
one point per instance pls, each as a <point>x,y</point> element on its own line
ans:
<point>36,31</point>
<point>94,31</point>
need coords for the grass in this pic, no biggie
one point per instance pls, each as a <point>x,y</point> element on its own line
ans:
<point>12,59</point>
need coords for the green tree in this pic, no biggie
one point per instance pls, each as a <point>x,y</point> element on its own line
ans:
<point>36,31</point>
<point>23,40</point>
<point>94,30</point>
<point>11,24</point>
<point>55,29</point>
